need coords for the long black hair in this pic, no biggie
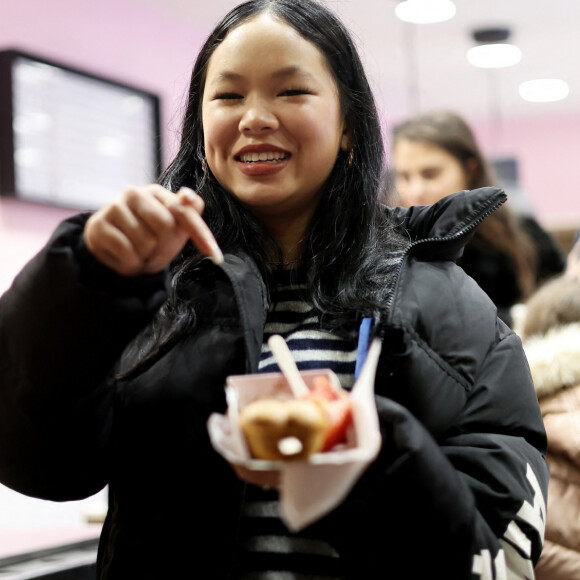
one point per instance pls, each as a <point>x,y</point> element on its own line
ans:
<point>346,254</point>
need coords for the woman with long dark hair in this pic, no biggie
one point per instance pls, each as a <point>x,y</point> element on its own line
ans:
<point>117,339</point>
<point>435,154</point>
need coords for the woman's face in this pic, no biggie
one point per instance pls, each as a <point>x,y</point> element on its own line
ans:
<point>272,120</point>
<point>424,173</point>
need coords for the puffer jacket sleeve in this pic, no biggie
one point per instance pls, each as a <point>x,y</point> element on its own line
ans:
<point>477,496</point>
<point>458,490</point>
<point>63,325</point>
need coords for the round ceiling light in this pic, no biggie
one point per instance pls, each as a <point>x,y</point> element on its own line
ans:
<point>494,55</point>
<point>493,49</point>
<point>425,11</point>
<point>544,90</point>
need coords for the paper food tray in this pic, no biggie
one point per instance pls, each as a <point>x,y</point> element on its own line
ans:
<point>313,487</point>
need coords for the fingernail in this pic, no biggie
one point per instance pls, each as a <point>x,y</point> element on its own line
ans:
<point>216,254</point>
<point>188,192</point>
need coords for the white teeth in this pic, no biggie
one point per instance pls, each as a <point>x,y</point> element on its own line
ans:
<point>264,156</point>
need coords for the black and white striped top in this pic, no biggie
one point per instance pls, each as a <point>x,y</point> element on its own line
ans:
<point>269,551</point>
<point>299,324</point>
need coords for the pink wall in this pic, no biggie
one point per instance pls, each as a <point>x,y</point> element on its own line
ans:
<point>547,149</point>
<point>123,40</point>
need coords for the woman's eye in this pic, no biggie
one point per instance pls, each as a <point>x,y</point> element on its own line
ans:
<point>294,92</point>
<point>227,96</point>
<point>431,173</point>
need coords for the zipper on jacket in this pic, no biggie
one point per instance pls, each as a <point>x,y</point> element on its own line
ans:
<point>461,233</point>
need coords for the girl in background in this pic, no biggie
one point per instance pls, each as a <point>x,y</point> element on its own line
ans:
<point>435,154</point>
<point>551,335</point>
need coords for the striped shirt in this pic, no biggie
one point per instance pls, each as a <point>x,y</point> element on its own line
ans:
<point>299,324</point>
<point>269,551</point>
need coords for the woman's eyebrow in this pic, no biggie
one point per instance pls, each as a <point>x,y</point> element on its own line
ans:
<point>285,72</point>
<point>289,71</point>
<point>226,76</point>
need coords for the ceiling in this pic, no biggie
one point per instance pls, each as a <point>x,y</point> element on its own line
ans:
<point>416,67</point>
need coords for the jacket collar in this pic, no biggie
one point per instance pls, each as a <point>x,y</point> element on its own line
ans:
<point>252,301</point>
<point>554,358</point>
<point>453,220</point>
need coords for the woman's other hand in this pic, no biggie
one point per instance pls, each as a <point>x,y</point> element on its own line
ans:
<point>143,230</point>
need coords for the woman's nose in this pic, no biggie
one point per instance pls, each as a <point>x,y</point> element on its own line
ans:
<point>257,118</point>
<point>412,191</point>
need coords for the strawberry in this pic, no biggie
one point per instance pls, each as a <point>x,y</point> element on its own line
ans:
<point>339,414</point>
<point>336,405</point>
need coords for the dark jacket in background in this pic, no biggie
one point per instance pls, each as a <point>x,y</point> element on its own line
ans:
<point>551,260</point>
<point>494,270</point>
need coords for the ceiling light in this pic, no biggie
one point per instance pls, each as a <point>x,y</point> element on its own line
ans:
<point>494,55</point>
<point>493,51</point>
<point>544,90</point>
<point>425,11</point>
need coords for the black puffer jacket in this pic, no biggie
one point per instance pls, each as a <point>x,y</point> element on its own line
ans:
<point>459,485</point>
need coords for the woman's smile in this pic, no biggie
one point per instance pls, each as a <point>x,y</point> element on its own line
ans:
<point>257,160</point>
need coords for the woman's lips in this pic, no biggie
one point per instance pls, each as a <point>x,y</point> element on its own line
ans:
<point>256,162</point>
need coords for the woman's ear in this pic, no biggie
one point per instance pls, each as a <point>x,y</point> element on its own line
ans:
<point>346,141</point>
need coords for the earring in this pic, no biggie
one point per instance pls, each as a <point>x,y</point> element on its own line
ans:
<point>350,158</point>
<point>206,171</point>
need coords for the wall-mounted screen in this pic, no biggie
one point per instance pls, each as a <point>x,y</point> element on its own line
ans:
<point>71,138</point>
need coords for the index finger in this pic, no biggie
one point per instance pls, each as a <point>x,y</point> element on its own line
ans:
<point>184,208</point>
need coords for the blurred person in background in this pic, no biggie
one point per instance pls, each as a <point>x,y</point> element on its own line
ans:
<point>573,260</point>
<point>551,335</point>
<point>435,154</point>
